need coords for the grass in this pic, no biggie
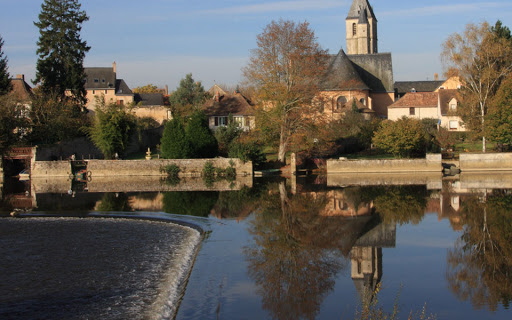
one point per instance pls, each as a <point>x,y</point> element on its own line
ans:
<point>473,146</point>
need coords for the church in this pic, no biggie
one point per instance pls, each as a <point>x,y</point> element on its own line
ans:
<point>360,76</point>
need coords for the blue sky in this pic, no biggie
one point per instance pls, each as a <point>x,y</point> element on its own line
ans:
<point>160,41</point>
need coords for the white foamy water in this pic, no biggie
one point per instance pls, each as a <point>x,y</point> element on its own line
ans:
<point>76,268</point>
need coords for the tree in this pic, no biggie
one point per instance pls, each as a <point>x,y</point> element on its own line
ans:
<point>482,58</point>
<point>403,137</point>
<point>188,95</point>
<point>149,88</point>
<point>53,119</point>
<point>112,128</point>
<point>174,143</point>
<point>286,69</point>
<point>5,82</point>
<point>499,116</point>
<point>11,120</point>
<point>202,142</point>
<point>60,49</point>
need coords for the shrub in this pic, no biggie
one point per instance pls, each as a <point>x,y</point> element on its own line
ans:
<point>247,151</point>
<point>403,138</point>
<point>201,140</point>
<point>174,143</point>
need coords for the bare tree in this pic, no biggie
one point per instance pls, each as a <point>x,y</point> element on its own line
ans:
<point>286,68</point>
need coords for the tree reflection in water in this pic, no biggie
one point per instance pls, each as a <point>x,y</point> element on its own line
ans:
<point>480,264</point>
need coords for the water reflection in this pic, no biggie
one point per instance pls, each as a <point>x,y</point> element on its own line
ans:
<point>480,264</point>
<point>304,236</point>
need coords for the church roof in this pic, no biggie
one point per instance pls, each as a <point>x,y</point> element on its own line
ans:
<point>355,9</point>
<point>376,70</point>
<point>342,75</point>
<point>363,17</point>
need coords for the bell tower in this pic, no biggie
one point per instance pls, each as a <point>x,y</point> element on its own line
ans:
<point>361,26</point>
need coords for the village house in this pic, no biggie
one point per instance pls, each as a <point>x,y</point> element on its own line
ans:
<point>223,105</point>
<point>403,87</point>
<point>362,73</point>
<point>440,105</point>
<point>103,82</point>
<point>152,105</point>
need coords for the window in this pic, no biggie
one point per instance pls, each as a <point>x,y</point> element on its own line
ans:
<point>120,102</point>
<point>93,92</point>
<point>340,102</point>
<point>96,80</point>
<point>105,91</point>
<point>412,111</point>
<point>239,121</point>
<point>363,101</point>
<point>221,121</point>
<point>454,124</point>
<point>102,80</point>
<point>354,29</point>
<point>453,106</point>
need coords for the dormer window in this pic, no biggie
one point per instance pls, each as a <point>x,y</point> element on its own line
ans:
<point>453,106</point>
<point>96,80</point>
<point>413,90</point>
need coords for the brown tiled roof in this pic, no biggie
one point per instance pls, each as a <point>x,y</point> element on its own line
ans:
<point>223,105</point>
<point>417,100</point>
<point>21,89</point>
<point>445,96</point>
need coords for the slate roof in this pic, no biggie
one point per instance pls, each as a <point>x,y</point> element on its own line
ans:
<point>376,70</point>
<point>149,99</point>
<point>224,105</point>
<point>445,96</point>
<point>122,88</point>
<point>100,78</point>
<point>403,87</point>
<point>354,12</point>
<point>342,75</point>
<point>21,89</point>
<point>417,100</point>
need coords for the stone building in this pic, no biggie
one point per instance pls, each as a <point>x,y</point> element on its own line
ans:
<point>103,82</point>
<point>361,73</point>
<point>223,105</point>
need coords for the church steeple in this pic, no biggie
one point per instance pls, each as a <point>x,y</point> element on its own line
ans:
<point>361,28</point>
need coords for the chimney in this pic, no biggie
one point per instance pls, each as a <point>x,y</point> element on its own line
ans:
<point>114,66</point>
<point>20,76</point>
<point>166,90</point>
<point>436,76</point>
<point>217,96</point>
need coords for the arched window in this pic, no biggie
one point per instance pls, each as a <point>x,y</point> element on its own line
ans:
<point>340,102</point>
<point>354,29</point>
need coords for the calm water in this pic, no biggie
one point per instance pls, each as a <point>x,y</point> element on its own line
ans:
<point>318,249</point>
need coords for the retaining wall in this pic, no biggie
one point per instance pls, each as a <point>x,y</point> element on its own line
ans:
<point>480,162</point>
<point>109,168</point>
<point>432,163</point>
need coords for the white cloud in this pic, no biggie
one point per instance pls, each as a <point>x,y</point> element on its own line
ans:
<point>445,9</point>
<point>298,5</point>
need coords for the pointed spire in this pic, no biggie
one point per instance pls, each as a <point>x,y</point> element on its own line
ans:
<point>357,7</point>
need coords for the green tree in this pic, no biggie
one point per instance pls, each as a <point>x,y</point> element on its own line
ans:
<point>482,57</point>
<point>227,134</point>
<point>188,95</point>
<point>402,138</point>
<point>499,116</point>
<point>202,142</point>
<point>286,69</point>
<point>5,82</point>
<point>11,121</point>
<point>60,49</point>
<point>174,143</point>
<point>112,128</point>
<point>53,119</point>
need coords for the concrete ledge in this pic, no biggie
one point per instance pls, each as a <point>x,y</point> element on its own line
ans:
<point>109,168</point>
<point>432,163</point>
<point>485,162</point>
<point>433,180</point>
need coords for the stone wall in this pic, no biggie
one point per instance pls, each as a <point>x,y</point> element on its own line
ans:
<point>432,163</point>
<point>110,168</point>
<point>433,180</point>
<point>485,162</point>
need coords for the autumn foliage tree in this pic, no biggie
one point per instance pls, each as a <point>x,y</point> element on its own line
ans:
<point>286,68</point>
<point>482,57</point>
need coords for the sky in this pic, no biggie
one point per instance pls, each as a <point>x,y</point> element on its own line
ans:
<point>160,41</point>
